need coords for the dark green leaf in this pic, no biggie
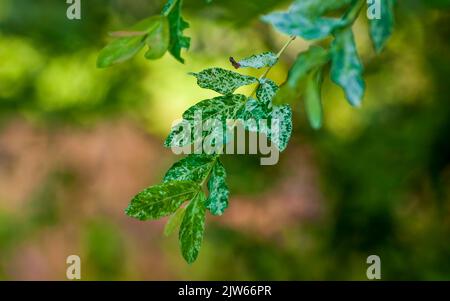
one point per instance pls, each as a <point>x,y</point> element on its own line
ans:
<point>174,221</point>
<point>161,200</point>
<point>217,200</point>
<point>192,228</point>
<point>381,29</point>
<point>177,25</point>
<point>222,81</point>
<point>194,167</point>
<point>346,69</point>
<point>313,98</point>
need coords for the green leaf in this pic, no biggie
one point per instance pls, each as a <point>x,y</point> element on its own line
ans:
<point>297,24</point>
<point>161,200</point>
<point>194,167</point>
<point>178,41</point>
<point>192,228</point>
<point>381,29</point>
<point>313,98</point>
<point>281,134</point>
<point>266,59</point>
<point>158,39</point>
<point>278,121</point>
<point>129,43</point>
<point>222,81</point>
<point>174,221</point>
<point>266,91</point>
<point>217,200</point>
<point>317,8</point>
<point>120,50</point>
<point>306,61</point>
<point>218,108</point>
<point>346,68</point>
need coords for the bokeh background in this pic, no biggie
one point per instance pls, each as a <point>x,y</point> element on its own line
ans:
<point>76,143</point>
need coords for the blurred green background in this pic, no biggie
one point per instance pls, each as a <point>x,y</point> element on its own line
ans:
<point>76,143</point>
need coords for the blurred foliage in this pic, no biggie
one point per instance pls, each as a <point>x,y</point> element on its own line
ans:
<point>384,169</point>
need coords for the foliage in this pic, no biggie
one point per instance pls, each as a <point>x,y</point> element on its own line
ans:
<point>308,19</point>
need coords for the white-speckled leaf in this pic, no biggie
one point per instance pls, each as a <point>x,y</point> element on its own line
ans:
<point>161,200</point>
<point>257,61</point>
<point>194,167</point>
<point>217,200</point>
<point>192,228</point>
<point>222,81</point>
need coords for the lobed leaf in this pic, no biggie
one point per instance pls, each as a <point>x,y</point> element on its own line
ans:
<point>222,81</point>
<point>161,200</point>
<point>178,41</point>
<point>192,228</point>
<point>346,68</point>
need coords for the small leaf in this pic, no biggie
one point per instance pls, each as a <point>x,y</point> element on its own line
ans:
<point>222,81</point>
<point>119,51</point>
<point>194,167</point>
<point>217,200</point>
<point>381,29</point>
<point>346,68</point>
<point>266,91</point>
<point>314,57</point>
<point>313,98</point>
<point>124,48</point>
<point>266,59</point>
<point>174,221</point>
<point>158,40</point>
<point>281,133</point>
<point>161,200</point>
<point>192,228</point>
<point>177,25</point>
